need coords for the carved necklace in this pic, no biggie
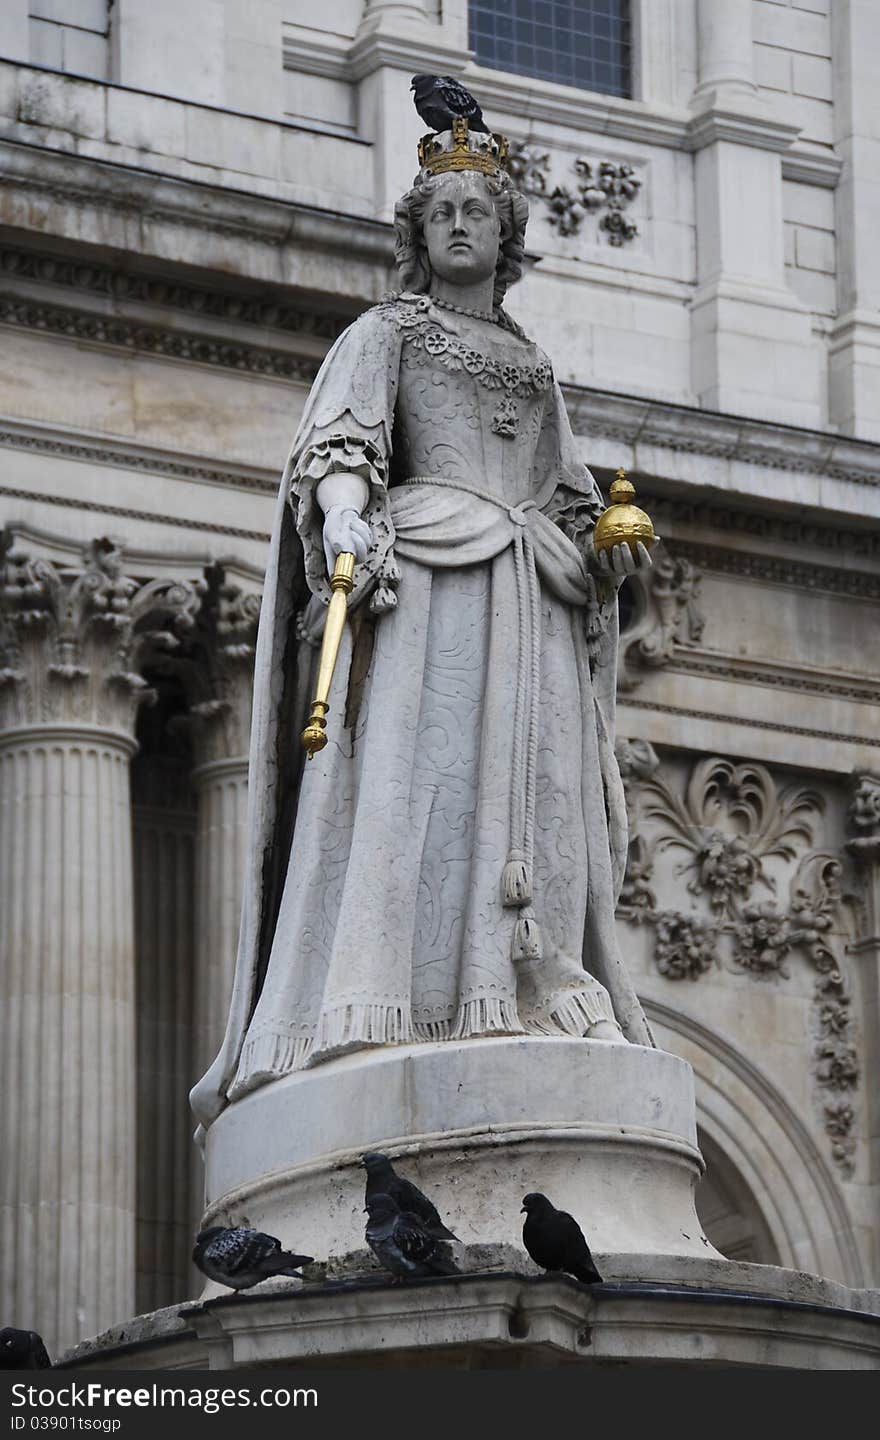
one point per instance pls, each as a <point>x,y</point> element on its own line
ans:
<point>491,315</point>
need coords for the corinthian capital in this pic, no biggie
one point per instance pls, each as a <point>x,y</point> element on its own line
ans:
<point>218,671</point>
<point>74,636</point>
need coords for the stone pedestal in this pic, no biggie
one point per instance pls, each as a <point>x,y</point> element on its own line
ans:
<point>606,1130</point>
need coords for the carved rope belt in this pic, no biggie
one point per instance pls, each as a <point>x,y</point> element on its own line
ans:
<point>517,876</point>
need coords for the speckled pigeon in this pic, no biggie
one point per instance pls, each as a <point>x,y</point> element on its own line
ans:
<point>401,1243</point>
<point>555,1240</point>
<point>22,1350</point>
<point>240,1258</point>
<point>440,99</point>
<point>382,1179</point>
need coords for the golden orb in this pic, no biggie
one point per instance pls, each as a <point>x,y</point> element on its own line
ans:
<point>623,522</point>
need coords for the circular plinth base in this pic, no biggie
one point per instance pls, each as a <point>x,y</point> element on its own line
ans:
<point>607,1131</point>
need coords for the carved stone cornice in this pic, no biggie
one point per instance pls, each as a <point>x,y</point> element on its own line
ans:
<point>759,129</point>
<point>746,527</point>
<point>73,639</point>
<point>120,285</point>
<point>34,180</point>
<point>720,665</point>
<point>670,426</point>
<point>780,570</point>
<point>124,455</point>
<point>155,340</point>
<point>750,722</point>
<point>126,512</point>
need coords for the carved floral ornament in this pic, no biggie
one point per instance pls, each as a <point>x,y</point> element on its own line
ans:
<point>604,187</point>
<point>731,821</point>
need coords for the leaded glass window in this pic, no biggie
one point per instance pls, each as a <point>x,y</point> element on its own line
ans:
<point>585,43</point>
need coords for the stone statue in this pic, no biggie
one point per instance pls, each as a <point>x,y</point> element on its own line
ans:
<point>448,865</point>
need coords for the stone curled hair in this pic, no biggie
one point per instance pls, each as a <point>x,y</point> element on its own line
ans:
<point>410,251</point>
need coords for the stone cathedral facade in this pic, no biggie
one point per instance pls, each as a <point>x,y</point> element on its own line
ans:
<point>194,201</point>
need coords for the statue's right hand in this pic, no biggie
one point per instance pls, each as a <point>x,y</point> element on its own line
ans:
<point>345,530</point>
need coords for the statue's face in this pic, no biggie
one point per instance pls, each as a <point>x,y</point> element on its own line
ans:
<point>462,229</point>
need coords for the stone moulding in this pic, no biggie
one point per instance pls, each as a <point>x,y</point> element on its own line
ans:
<point>507,1317</point>
<point>125,512</point>
<point>89,276</point>
<point>107,450</point>
<point>155,340</point>
<point>750,722</point>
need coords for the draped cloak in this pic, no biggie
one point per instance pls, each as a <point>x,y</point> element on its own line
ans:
<point>449,865</point>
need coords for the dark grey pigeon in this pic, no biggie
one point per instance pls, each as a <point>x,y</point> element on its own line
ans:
<point>22,1350</point>
<point>555,1240</point>
<point>440,99</point>
<point>382,1179</point>
<point>401,1243</point>
<point>240,1258</point>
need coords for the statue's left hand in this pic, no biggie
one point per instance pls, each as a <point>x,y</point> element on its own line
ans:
<point>614,565</point>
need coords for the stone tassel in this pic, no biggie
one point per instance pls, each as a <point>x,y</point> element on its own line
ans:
<point>67,1031</point>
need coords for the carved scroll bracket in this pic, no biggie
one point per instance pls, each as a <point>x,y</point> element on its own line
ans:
<point>665,616</point>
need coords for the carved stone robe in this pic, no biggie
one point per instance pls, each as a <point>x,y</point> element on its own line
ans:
<point>458,847</point>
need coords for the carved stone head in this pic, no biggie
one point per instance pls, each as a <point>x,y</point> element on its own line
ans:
<point>464,226</point>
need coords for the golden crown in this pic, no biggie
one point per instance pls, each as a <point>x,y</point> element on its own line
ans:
<point>480,151</point>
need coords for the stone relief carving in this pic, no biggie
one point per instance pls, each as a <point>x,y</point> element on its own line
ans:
<point>732,820</point>
<point>666,617</point>
<point>684,945</point>
<point>603,186</point>
<point>73,640</point>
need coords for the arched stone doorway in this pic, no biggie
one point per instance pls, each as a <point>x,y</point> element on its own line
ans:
<point>729,1212</point>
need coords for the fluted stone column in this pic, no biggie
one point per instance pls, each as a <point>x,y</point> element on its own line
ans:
<point>71,644</point>
<point>164,888</point>
<point>221,686</point>
<point>221,787</point>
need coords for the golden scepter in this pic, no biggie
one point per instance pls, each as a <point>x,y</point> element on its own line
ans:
<point>314,737</point>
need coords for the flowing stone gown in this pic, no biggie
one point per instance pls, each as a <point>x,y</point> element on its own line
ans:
<point>458,847</point>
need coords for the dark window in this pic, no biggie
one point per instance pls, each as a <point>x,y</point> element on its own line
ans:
<point>585,43</point>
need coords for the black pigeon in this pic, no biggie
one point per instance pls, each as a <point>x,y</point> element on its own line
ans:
<point>240,1258</point>
<point>401,1243</point>
<point>382,1180</point>
<point>22,1350</point>
<point>440,99</point>
<point>555,1240</point>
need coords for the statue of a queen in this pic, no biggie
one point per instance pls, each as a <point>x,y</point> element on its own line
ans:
<point>448,866</point>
